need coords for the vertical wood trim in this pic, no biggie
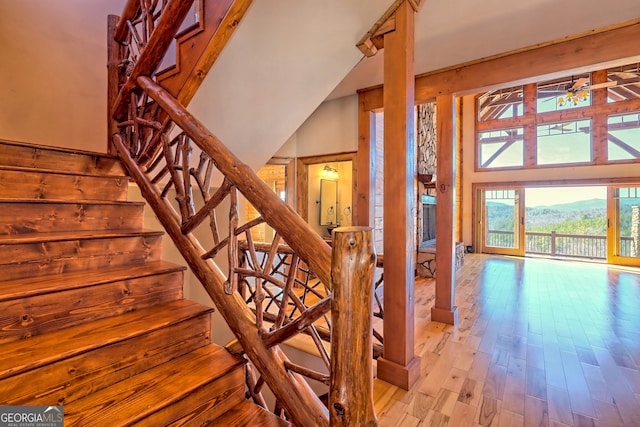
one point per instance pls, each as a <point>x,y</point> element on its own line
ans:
<point>599,137</point>
<point>302,189</point>
<point>458,165</point>
<point>612,228</point>
<point>366,165</point>
<point>530,93</point>
<point>114,54</point>
<point>398,364</point>
<point>444,309</point>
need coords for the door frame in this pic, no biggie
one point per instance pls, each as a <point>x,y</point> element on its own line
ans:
<point>519,249</point>
<point>610,183</point>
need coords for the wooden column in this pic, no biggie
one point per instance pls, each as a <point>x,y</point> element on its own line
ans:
<point>444,309</point>
<point>399,365</point>
<point>366,159</point>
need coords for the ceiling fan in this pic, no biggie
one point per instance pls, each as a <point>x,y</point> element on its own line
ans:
<point>582,83</point>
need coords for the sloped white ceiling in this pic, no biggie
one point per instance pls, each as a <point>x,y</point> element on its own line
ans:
<point>453,32</point>
<point>284,59</point>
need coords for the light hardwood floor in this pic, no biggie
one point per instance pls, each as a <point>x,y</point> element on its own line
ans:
<point>539,342</point>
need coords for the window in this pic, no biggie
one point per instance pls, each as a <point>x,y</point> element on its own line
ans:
<point>568,142</point>
<point>623,137</point>
<point>501,148</point>
<point>501,104</point>
<point>583,119</point>
<point>564,94</point>
<point>623,83</point>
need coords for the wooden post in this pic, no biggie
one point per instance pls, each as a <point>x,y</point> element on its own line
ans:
<point>444,309</point>
<point>114,55</point>
<point>352,264</point>
<point>399,365</point>
<point>366,175</point>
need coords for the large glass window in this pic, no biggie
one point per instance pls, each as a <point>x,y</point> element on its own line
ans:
<point>583,119</point>
<point>564,94</point>
<point>623,83</point>
<point>501,148</point>
<point>623,137</point>
<point>568,142</point>
<point>501,104</point>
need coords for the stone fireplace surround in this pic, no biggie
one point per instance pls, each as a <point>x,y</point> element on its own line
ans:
<point>426,253</point>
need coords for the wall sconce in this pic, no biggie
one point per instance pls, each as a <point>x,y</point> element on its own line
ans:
<point>329,173</point>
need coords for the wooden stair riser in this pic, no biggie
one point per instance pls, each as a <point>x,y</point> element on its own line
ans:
<point>25,184</point>
<point>68,380</point>
<point>202,405</point>
<point>37,315</point>
<point>24,355</point>
<point>211,368</point>
<point>38,259</point>
<point>51,159</point>
<point>89,317</point>
<point>26,217</point>
<point>247,414</point>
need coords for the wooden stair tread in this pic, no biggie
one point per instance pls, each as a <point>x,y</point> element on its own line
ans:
<point>44,157</point>
<point>23,355</point>
<point>38,285</point>
<point>139,396</point>
<point>14,239</point>
<point>56,149</point>
<point>28,169</point>
<point>247,413</point>
<point>71,201</point>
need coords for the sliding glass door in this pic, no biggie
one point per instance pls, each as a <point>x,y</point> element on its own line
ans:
<point>502,219</point>
<point>624,225</point>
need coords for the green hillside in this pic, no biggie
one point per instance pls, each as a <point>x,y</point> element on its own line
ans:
<point>586,217</point>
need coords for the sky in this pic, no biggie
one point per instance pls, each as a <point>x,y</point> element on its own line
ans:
<point>546,196</point>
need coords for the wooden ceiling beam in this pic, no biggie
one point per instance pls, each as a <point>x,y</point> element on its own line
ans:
<point>612,46</point>
<point>373,40</point>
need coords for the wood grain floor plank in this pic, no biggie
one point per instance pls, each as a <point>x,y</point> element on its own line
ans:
<point>579,393</point>
<point>559,405</point>
<point>570,328</point>
<point>510,419</point>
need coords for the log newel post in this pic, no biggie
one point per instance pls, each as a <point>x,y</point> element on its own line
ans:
<point>352,265</point>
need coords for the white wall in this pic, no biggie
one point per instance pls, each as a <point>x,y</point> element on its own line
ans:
<point>53,57</point>
<point>332,128</point>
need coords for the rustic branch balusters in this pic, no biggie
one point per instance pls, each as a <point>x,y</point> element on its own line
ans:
<point>271,291</point>
<point>284,295</point>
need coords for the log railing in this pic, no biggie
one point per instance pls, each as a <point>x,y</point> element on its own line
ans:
<point>194,184</point>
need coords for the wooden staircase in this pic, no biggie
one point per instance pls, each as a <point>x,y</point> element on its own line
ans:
<point>91,318</point>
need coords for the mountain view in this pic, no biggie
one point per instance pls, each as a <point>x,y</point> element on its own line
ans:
<point>586,217</point>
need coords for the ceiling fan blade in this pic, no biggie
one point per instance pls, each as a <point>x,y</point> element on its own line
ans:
<point>600,85</point>
<point>578,84</point>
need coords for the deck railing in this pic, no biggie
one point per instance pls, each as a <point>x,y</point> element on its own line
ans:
<point>560,245</point>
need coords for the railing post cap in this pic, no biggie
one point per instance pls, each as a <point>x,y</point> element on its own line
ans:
<point>352,229</point>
